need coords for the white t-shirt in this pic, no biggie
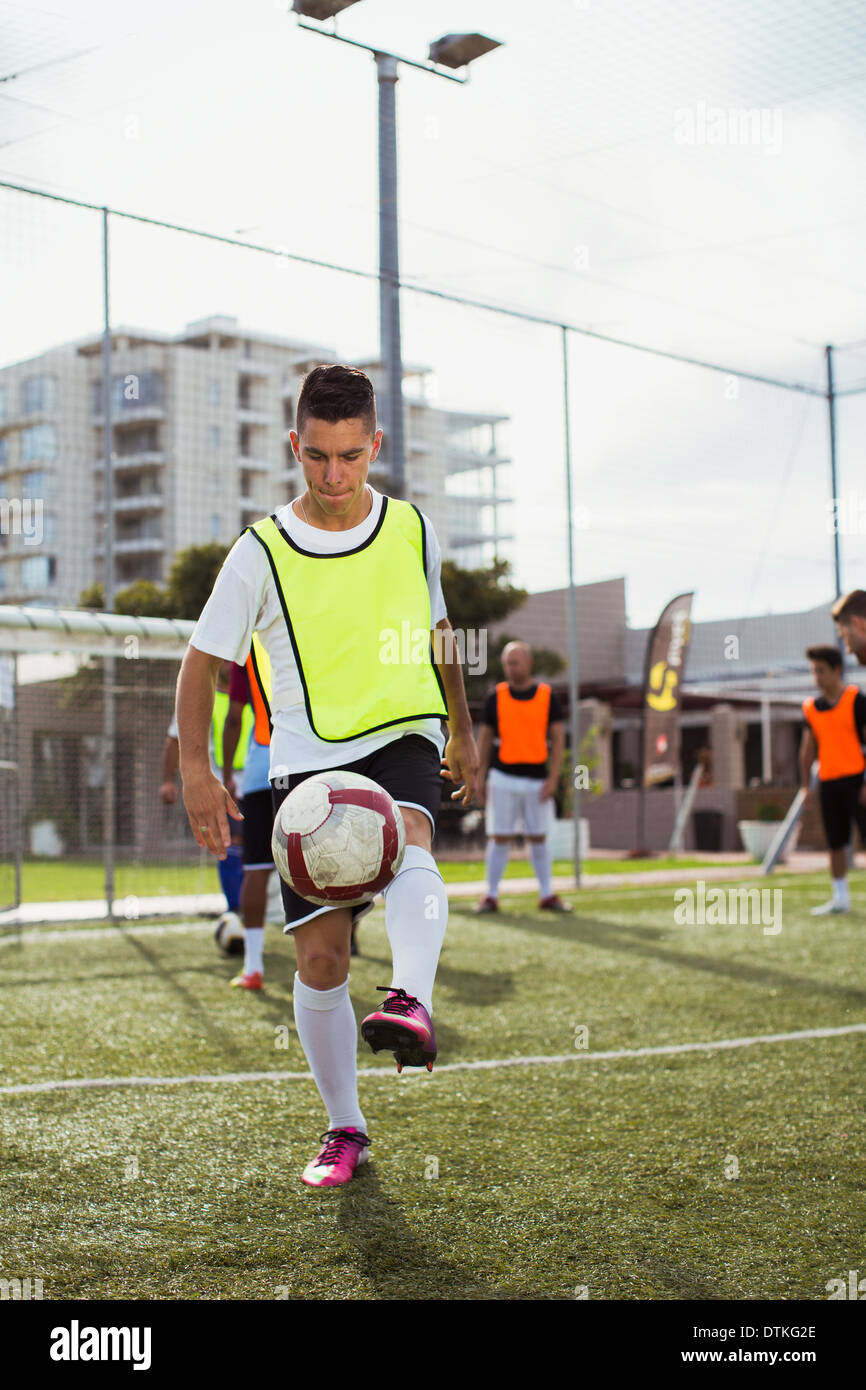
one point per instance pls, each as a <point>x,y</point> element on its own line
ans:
<point>244,600</point>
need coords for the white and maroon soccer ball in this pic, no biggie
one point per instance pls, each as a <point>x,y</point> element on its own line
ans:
<point>338,838</point>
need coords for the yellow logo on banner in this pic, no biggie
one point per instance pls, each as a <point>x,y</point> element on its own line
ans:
<point>661,694</point>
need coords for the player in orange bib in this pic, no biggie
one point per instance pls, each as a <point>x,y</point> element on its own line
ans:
<point>524,715</point>
<point>835,730</point>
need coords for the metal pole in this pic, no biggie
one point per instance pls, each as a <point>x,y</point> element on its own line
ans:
<point>834,491</point>
<point>389,272</point>
<point>573,685</point>
<point>109,713</point>
<point>766,739</point>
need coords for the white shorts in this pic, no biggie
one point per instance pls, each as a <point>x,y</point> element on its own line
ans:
<point>512,801</point>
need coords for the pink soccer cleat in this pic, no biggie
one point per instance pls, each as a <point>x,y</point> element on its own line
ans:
<point>336,1161</point>
<point>404,1027</point>
<point>553,904</point>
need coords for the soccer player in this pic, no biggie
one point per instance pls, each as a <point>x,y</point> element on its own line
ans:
<point>231,868</point>
<point>255,795</point>
<point>321,582</point>
<point>523,715</point>
<point>835,728</point>
<point>849,615</point>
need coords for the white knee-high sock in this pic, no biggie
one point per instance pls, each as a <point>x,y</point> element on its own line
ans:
<point>254,946</point>
<point>416,915</point>
<point>539,853</point>
<point>329,1036</point>
<point>496,858</point>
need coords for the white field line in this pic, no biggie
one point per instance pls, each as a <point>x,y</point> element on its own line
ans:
<point>32,936</point>
<point>494,1064</point>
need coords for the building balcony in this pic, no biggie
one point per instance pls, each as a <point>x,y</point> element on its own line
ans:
<point>254,465</point>
<point>131,415</point>
<point>480,499</point>
<point>247,415</point>
<point>469,460</point>
<point>146,458</point>
<point>251,366</point>
<point>460,539</point>
<point>141,502</point>
<point>137,545</point>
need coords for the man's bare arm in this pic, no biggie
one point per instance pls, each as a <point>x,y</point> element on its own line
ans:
<point>168,765</point>
<point>808,754</point>
<point>461,754</point>
<point>485,757</point>
<point>204,796</point>
<point>557,748</point>
<point>231,734</point>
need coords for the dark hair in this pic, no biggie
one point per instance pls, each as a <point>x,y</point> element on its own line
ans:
<point>830,655</point>
<point>851,605</point>
<point>335,393</point>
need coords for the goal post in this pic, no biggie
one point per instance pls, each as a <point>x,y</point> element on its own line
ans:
<point>86,700</point>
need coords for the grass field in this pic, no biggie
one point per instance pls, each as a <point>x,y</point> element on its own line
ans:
<point>53,880</point>
<point>613,1176</point>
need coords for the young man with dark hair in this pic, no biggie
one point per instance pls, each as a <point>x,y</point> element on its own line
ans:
<point>849,615</point>
<point>317,583</point>
<point>835,730</point>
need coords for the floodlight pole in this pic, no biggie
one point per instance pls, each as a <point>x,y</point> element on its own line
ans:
<point>390,336</point>
<point>573,684</point>
<point>109,726</point>
<point>834,491</point>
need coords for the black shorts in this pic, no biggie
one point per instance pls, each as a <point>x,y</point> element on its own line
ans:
<point>408,768</point>
<point>257,825</point>
<point>840,805</point>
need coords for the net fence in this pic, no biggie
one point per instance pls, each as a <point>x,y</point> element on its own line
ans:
<point>684,478</point>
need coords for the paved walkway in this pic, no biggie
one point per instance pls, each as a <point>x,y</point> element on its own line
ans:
<point>130,909</point>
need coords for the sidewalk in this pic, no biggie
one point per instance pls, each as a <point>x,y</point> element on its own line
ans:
<point>808,862</point>
<point>131,909</point>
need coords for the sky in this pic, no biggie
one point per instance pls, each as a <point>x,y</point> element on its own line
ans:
<point>678,174</point>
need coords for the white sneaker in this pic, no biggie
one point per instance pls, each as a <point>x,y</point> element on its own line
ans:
<point>826,908</point>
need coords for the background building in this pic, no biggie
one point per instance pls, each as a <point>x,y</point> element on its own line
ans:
<point>201,448</point>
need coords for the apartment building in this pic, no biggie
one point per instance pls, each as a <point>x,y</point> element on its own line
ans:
<point>200,448</point>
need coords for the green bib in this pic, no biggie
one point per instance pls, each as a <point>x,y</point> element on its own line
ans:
<point>359,625</point>
<point>220,715</point>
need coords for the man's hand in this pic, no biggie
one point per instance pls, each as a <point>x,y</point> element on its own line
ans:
<point>548,788</point>
<point>461,764</point>
<point>168,793</point>
<point>207,801</point>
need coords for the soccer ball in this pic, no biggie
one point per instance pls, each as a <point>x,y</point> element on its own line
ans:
<point>229,934</point>
<point>338,839</point>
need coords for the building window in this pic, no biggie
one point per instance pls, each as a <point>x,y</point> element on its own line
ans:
<point>4,451</point>
<point>130,392</point>
<point>213,392</point>
<point>34,484</point>
<point>215,527</point>
<point>38,444</point>
<point>38,571</point>
<point>2,402</point>
<point>213,438</point>
<point>37,393</point>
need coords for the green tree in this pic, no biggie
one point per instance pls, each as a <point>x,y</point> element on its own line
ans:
<point>477,598</point>
<point>192,576</point>
<point>187,589</point>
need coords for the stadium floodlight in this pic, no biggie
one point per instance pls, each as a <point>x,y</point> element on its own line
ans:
<point>321,9</point>
<point>456,50</point>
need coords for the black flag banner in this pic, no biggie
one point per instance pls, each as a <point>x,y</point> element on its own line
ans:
<point>662,690</point>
